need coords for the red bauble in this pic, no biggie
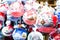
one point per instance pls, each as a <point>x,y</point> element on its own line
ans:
<point>57,37</point>
<point>2,16</point>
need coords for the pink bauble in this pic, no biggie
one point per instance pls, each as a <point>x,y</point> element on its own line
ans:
<point>17,9</point>
<point>30,17</point>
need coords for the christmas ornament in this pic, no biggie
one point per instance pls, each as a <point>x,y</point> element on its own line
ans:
<point>17,9</point>
<point>8,30</point>
<point>30,17</point>
<point>55,35</point>
<point>19,34</point>
<point>4,8</point>
<point>34,35</point>
<point>2,16</point>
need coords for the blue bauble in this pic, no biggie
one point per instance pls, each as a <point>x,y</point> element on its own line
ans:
<point>19,34</point>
